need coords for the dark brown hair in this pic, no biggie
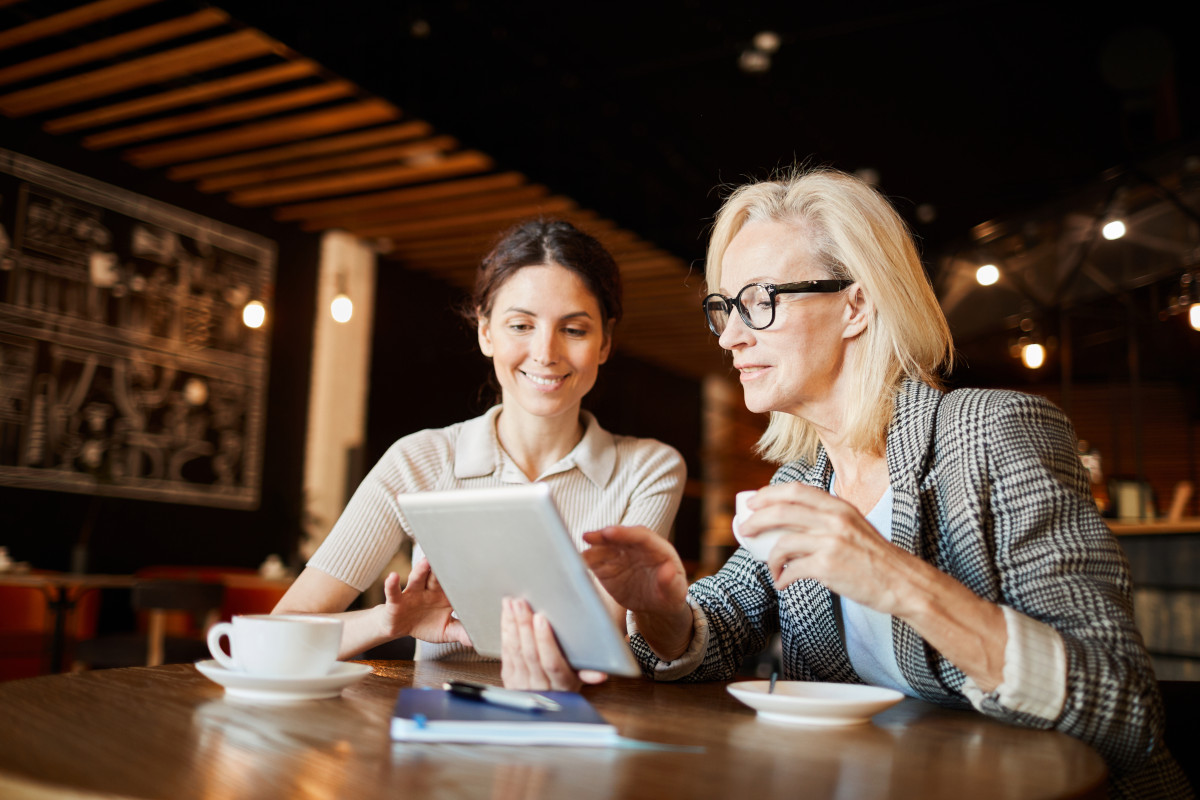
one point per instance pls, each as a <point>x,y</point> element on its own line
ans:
<point>548,242</point>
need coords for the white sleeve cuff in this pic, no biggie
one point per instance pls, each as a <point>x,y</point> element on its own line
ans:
<point>691,658</point>
<point>1035,669</point>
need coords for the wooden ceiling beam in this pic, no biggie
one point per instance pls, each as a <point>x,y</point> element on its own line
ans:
<point>447,245</point>
<point>434,210</point>
<point>188,95</point>
<point>526,201</point>
<point>434,146</point>
<point>361,180</point>
<point>157,68</point>
<point>400,197</point>
<point>466,256</point>
<point>425,239</point>
<point>458,271</point>
<point>222,114</point>
<point>413,129</point>
<point>487,220</point>
<point>114,45</point>
<point>68,21</point>
<point>474,248</point>
<point>287,129</point>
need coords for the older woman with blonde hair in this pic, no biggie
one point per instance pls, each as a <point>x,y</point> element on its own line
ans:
<point>942,544</point>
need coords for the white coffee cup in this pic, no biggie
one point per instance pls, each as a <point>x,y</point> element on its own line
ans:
<point>284,645</point>
<point>760,546</point>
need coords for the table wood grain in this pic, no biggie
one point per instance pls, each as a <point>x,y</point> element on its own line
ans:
<point>168,732</point>
<point>1154,527</point>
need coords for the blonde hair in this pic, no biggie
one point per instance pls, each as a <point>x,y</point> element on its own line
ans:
<point>853,233</point>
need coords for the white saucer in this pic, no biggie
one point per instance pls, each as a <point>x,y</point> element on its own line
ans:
<point>270,689</point>
<point>812,703</point>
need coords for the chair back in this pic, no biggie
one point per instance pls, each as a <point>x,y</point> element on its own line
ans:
<point>200,599</point>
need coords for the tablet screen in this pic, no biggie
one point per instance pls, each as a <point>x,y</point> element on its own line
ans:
<point>486,544</point>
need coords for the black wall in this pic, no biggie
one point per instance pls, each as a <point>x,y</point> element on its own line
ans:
<point>426,371</point>
<point>43,527</point>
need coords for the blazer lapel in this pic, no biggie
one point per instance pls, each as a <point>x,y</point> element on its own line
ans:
<point>817,609</point>
<point>909,457</point>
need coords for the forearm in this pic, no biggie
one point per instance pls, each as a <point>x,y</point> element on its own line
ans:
<point>315,592</point>
<point>967,630</point>
<point>361,630</point>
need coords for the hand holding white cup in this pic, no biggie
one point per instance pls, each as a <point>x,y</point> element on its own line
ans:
<point>283,645</point>
<point>760,546</point>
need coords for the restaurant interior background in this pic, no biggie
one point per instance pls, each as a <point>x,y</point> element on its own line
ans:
<point>377,150</point>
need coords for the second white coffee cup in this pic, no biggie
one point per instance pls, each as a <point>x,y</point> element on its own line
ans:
<point>760,546</point>
<point>283,645</point>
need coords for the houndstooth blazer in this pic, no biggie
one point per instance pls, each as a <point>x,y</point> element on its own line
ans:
<point>988,488</point>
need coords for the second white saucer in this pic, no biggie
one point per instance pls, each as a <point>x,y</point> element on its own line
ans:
<point>267,689</point>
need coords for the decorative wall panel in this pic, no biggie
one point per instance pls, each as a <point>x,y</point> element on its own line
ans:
<point>125,368</point>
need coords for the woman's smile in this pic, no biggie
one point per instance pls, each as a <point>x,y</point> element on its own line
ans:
<point>546,382</point>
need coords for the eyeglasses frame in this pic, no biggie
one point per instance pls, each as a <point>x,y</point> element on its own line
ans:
<point>823,286</point>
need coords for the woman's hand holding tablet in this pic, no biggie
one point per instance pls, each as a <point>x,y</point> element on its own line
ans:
<point>488,544</point>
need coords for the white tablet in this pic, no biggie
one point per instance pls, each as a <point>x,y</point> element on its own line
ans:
<point>487,544</point>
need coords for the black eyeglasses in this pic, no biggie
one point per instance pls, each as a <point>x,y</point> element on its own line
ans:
<point>756,302</point>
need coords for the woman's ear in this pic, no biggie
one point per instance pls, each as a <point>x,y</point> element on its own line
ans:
<point>485,335</point>
<point>857,312</point>
<point>606,344</point>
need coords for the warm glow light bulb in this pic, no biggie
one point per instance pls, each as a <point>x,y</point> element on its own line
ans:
<point>987,274</point>
<point>342,308</point>
<point>1113,230</point>
<point>254,314</point>
<point>1194,316</point>
<point>1033,355</point>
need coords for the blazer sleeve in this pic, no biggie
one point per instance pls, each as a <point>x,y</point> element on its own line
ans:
<point>1058,563</point>
<point>735,612</point>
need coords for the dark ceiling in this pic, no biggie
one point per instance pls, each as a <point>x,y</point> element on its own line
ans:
<point>1004,132</point>
<point>640,110</point>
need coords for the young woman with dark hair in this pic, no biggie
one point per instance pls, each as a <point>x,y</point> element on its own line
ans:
<point>546,301</point>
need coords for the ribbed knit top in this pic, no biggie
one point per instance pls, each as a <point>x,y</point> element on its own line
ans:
<point>605,480</point>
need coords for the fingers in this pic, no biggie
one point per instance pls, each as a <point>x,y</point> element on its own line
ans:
<point>554,664</point>
<point>420,573</point>
<point>779,571</point>
<point>512,662</point>
<point>592,676</point>
<point>618,535</point>
<point>531,657</point>
<point>391,589</point>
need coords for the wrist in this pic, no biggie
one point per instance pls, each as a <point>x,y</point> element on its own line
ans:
<point>917,594</point>
<point>667,633</point>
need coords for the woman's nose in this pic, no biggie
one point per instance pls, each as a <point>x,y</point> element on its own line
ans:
<point>736,333</point>
<point>545,348</point>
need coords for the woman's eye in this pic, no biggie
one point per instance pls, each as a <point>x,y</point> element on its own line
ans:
<point>576,332</point>
<point>520,327</point>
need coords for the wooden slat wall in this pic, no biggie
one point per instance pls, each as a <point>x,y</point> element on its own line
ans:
<point>174,86</point>
<point>1104,416</point>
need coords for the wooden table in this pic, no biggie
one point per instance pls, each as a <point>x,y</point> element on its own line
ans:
<point>168,732</point>
<point>63,591</point>
<point>1153,527</point>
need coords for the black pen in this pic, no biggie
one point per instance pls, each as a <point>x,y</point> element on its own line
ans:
<point>509,698</point>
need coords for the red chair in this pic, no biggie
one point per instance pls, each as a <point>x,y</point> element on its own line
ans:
<point>157,600</point>
<point>26,626</point>
<point>246,592</point>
